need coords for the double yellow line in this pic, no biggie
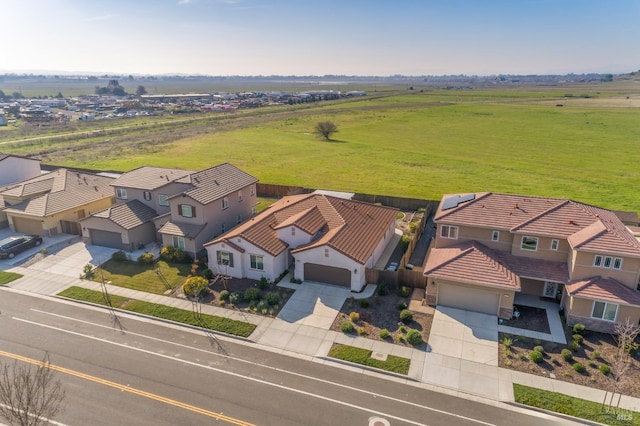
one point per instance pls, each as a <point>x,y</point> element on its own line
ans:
<point>139,392</point>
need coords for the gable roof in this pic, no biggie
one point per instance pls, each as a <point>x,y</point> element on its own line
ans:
<point>606,289</point>
<point>127,215</point>
<point>5,156</point>
<point>216,182</point>
<point>586,227</point>
<point>150,178</point>
<point>181,229</point>
<point>64,190</point>
<point>353,228</point>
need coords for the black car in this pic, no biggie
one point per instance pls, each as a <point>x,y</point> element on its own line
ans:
<point>11,246</point>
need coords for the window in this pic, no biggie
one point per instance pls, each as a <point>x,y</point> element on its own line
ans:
<point>554,245</point>
<point>252,190</point>
<point>447,231</point>
<point>495,236</point>
<point>185,210</point>
<point>224,258</point>
<point>529,243</point>
<point>254,210</point>
<point>609,262</point>
<point>238,219</point>
<point>163,200</point>
<point>223,228</point>
<point>256,262</point>
<point>121,193</point>
<point>147,195</point>
<point>178,242</point>
<point>225,203</point>
<point>326,252</point>
<point>239,196</point>
<point>604,310</point>
<point>293,230</point>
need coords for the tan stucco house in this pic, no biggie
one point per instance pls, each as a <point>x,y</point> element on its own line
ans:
<point>490,247</point>
<point>54,202</point>
<point>328,239</point>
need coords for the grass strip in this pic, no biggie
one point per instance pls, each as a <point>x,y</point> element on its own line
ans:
<point>560,403</point>
<point>395,364</point>
<point>7,277</point>
<point>211,322</point>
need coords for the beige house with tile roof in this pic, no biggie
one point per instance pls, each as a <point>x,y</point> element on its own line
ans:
<point>54,202</point>
<point>490,247</point>
<point>328,239</point>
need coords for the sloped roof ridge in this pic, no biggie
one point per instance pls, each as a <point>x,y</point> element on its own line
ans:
<point>542,214</point>
<point>611,223</point>
<point>294,218</point>
<point>479,196</point>
<point>470,246</point>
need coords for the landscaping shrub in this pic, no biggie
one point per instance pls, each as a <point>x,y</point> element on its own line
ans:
<point>412,227</point>
<point>579,368</point>
<point>574,346</point>
<point>522,357</point>
<point>536,356</point>
<point>250,294</point>
<point>354,317</point>
<point>146,259</point>
<point>263,283</point>
<point>384,333</point>
<point>631,348</point>
<point>578,329</point>
<point>593,364</point>
<point>174,255</point>
<point>347,327</point>
<point>538,348</point>
<point>383,289</point>
<point>402,329</point>
<point>414,337</point>
<point>263,305</point>
<point>402,306</point>
<point>119,256</point>
<point>362,331</point>
<point>507,342</point>
<point>604,369</point>
<point>207,274</point>
<point>273,298</point>
<point>364,303</point>
<point>235,298</point>
<point>404,242</point>
<point>406,316</point>
<point>566,355</point>
<point>405,291</point>
<point>595,355</point>
<point>578,338</point>
<point>88,271</point>
<point>224,295</point>
<point>195,286</point>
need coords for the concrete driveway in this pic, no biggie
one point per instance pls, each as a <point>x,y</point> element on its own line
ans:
<point>314,304</point>
<point>70,260</point>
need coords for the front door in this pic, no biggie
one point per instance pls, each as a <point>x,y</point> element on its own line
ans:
<point>550,289</point>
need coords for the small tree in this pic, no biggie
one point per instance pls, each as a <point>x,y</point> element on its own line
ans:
<point>141,91</point>
<point>196,286</point>
<point>29,395</point>
<point>625,335</point>
<point>326,129</point>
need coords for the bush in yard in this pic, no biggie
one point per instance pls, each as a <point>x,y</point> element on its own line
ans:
<point>207,274</point>
<point>539,349</point>
<point>235,297</point>
<point>224,295</point>
<point>604,369</point>
<point>404,291</point>
<point>273,298</point>
<point>536,357</point>
<point>195,286</point>
<point>384,333</point>
<point>364,303</point>
<point>578,338</point>
<point>262,305</point>
<point>406,316</point>
<point>119,256</point>
<point>595,355</point>
<point>383,289</point>
<point>574,346</point>
<point>250,294</point>
<point>175,255</point>
<point>631,348</point>
<point>354,317</point>
<point>402,306</point>
<point>88,271</point>
<point>507,342</point>
<point>566,355</point>
<point>404,242</point>
<point>414,337</point>
<point>146,259</point>
<point>263,283</point>
<point>579,368</point>
<point>402,329</point>
<point>578,329</point>
<point>347,327</point>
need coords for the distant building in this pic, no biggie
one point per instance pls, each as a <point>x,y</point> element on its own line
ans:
<point>3,120</point>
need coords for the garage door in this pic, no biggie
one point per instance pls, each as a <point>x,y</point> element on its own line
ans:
<point>468,298</point>
<point>327,274</point>
<point>106,238</point>
<point>27,226</point>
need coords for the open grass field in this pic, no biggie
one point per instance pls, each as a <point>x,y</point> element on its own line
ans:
<point>413,144</point>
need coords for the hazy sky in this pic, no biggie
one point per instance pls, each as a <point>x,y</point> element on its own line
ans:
<point>317,37</point>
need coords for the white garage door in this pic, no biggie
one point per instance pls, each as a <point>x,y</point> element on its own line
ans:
<point>467,298</point>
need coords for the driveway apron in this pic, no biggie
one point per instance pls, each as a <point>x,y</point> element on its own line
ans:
<point>314,304</point>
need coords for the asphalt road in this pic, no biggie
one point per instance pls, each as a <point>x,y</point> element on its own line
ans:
<point>127,370</point>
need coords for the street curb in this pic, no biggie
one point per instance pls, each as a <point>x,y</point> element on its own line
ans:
<point>554,413</point>
<point>366,367</point>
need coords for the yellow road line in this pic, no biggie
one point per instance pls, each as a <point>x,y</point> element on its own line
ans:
<point>149,395</point>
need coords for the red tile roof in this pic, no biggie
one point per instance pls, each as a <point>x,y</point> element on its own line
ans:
<point>606,289</point>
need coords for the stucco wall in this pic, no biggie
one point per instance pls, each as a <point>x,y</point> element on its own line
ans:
<point>628,275</point>
<point>335,259</point>
<point>273,266</point>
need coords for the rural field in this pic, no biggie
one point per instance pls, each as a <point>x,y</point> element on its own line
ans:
<point>580,142</point>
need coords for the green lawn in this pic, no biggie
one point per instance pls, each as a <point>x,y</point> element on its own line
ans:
<point>7,277</point>
<point>576,407</point>
<point>142,277</point>
<point>211,322</point>
<point>393,363</point>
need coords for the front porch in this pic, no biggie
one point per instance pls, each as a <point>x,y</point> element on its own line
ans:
<point>553,317</point>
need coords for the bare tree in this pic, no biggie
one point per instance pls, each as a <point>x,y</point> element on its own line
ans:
<point>625,335</point>
<point>326,129</point>
<point>29,395</point>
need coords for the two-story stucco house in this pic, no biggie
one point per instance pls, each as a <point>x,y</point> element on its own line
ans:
<point>491,247</point>
<point>328,239</point>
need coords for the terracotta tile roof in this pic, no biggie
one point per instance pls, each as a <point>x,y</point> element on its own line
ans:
<point>351,227</point>
<point>181,229</point>
<point>150,178</point>
<point>68,190</point>
<point>566,219</point>
<point>606,289</point>
<point>128,215</point>
<point>216,182</point>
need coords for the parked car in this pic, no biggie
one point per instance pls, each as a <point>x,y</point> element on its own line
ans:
<point>393,266</point>
<point>11,246</point>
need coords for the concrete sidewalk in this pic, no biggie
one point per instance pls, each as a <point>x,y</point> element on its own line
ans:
<point>461,357</point>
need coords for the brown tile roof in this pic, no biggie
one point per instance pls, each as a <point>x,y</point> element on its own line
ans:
<point>128,215</point>
<point>181,229</point>
<point>68,190</point>
<point>216,182</point>
<point>351,227</point>
<point>149,178</point>
<point>566,219</point>
<point>606,289</point>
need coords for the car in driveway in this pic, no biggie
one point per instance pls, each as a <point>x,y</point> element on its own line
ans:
<point>393,266</point>
<point>11,246</point>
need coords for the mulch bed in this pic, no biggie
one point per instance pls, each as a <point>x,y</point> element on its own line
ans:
<point>534,319</point>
